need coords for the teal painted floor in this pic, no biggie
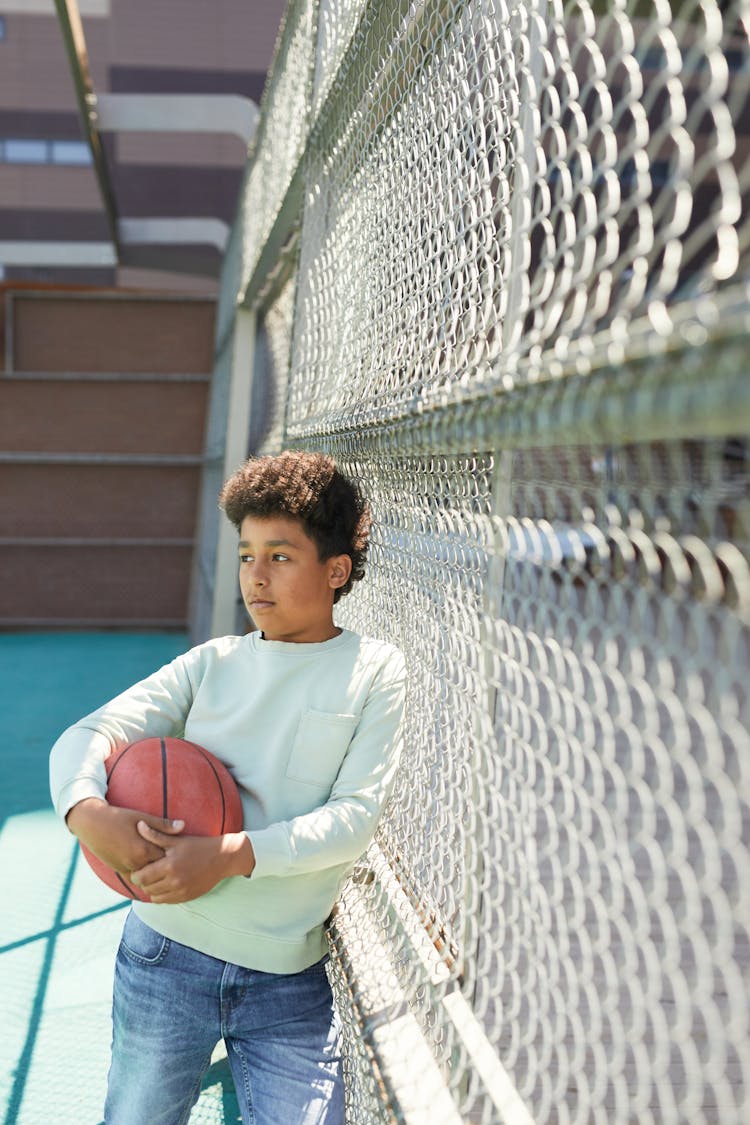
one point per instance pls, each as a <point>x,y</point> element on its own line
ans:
<point>59,926</point>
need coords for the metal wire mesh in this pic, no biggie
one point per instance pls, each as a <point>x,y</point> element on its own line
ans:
<point>519,318</point>
<point>282,132</point>
<point>502,189</point>
<point>337,22</point>
<point>570,830</point>
<point>269,388</point>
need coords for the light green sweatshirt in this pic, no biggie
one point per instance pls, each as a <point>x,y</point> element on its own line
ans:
<point>310,733</point>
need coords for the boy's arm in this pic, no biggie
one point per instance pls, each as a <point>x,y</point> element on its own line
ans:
<point>157,705</point>
<point>339,831</point>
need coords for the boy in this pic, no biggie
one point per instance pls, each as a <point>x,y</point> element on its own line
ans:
<point>306,716</point>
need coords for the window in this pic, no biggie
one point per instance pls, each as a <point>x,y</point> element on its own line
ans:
<point>25,152</point>
<point>70,152</point>
<point>22,150</point>
<point>2,28</point>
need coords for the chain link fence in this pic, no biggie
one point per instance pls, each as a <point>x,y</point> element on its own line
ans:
<point>498,251</point>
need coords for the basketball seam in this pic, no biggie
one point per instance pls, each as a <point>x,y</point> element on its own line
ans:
<point>130,888</point>
<point>118,759</point>
<point>164,785</point>
<point>215,772</point>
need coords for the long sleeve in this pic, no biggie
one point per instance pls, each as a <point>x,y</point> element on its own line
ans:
<point>155,706</point>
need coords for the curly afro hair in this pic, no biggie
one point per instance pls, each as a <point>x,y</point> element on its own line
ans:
<point>308,487</point>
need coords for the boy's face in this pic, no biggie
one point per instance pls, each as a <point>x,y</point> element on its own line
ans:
<point>286,588</point>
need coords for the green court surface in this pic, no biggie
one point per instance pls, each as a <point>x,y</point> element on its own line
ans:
<point>59,925</point>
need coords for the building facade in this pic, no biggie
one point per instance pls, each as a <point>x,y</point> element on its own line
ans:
<point>48,189</point>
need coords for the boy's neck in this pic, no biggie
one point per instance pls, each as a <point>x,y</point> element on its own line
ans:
<point>326,635</point>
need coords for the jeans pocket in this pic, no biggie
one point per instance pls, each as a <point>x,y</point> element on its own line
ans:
<point>142,944</point>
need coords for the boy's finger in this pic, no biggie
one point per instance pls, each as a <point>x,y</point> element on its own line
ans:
<point>148,833</point>
<point>148,875</point>
<point>156,835</point>
<point>172,826</point>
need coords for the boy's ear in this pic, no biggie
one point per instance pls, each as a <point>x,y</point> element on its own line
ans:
<point>340,567</point>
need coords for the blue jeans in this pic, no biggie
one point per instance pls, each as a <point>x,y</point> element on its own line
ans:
<point>171,1007</point>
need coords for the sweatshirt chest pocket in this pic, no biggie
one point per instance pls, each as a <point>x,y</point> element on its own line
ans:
<point>319,747</point>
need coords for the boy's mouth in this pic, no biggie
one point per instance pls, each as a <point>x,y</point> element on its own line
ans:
<point>260,603</point>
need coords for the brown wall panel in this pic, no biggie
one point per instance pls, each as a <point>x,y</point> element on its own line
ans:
<point>186,80</point>
<point>225,34</point>
<point>35,73</point>
<point>38,188</point>
<point>144,190</point>
<point>88,416</point>
<point>178,191</point>
<point>90,583</point>
<point>112,335</point>
<point>27,222</point>
<point>48,124</point>
<point>94,501</point>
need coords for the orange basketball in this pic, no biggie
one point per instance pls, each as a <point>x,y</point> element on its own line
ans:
<point>172,778</point>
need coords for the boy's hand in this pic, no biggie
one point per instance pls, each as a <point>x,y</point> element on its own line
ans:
<point>191,865</point>
<point>111,833</point>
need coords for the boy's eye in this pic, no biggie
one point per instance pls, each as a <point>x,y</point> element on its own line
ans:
<point>276,557</point>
